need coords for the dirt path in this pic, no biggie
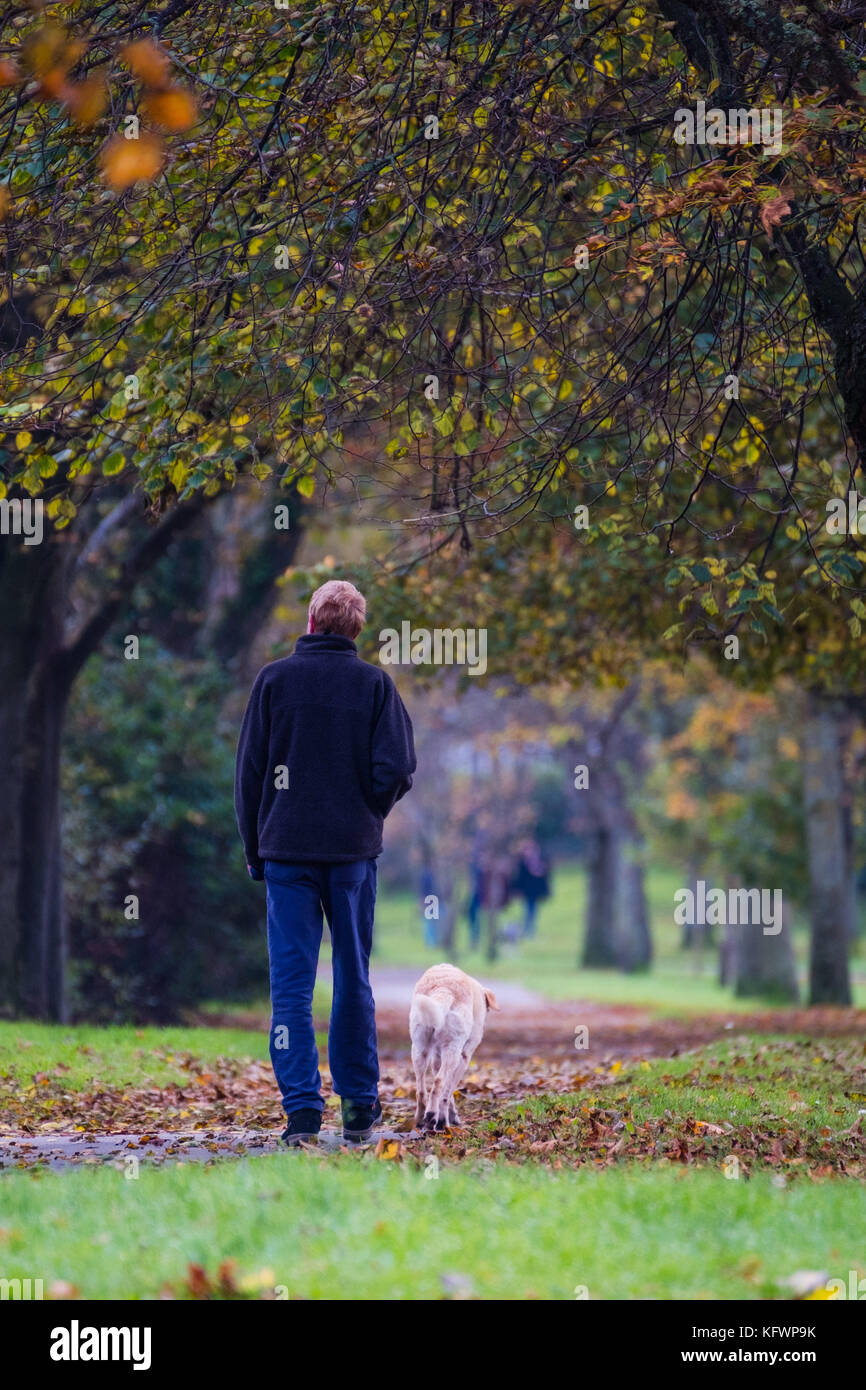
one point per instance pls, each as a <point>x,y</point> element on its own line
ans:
<point>393,986</point>
<point>529,1024</point>
<point>531,1047</point>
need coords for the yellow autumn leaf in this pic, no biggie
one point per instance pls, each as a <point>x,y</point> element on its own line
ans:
<point>389,1149</point>
<point>262,1279</point>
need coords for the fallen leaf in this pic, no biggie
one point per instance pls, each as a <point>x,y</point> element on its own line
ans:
<point>389,1149</point>
<point>62,1289</point>
<point>197,1281</point>
<point>457,1286</point>
<point>804,1282</point>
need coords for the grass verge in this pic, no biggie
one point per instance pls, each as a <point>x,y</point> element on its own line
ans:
<point>362,1228</point>
<point>86,1057</point>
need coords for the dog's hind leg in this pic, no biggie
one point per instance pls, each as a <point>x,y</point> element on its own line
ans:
<point>454,1085</point>
<point>419,1062</point>
<point>434,1059</point>
<point>442,1088</point>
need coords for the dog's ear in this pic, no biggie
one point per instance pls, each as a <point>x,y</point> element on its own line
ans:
<point>491,1000</point>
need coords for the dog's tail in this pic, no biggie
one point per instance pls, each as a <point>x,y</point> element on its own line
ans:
<point>426,1012</point>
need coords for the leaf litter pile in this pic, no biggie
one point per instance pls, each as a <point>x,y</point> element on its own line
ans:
<point>696,1092</point>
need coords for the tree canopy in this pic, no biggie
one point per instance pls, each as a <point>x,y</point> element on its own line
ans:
<point>456,256</point>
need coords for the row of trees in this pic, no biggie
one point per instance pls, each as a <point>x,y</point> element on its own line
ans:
<point>293,273</point>
<point>158,910</point>
<point>680,770</point>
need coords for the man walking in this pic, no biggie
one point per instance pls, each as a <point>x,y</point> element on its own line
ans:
<point>325,751</point>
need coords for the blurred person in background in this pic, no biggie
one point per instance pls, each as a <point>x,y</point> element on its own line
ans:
<point>531,882</point>
<point>429,910</point>
<point>476,896</point>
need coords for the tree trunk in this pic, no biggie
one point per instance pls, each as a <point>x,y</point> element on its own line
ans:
<point>617,922</point>
<point>37,668</point>
<point>605,870</point>
<point>617,919</point>
<point>696,935</point>
<point>851,859</point>
<point>634,943</point>
<point>446,929</point>
<point>32,706</point>
<point>492,934</point>
<point>42,949</point>
<point>728,956</point>
<point>764,965</point>
<point>827,858</point>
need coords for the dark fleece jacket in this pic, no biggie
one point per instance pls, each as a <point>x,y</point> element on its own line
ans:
<point>336,730</point>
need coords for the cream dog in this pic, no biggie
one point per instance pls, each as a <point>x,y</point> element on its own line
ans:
<point>446,1022</point>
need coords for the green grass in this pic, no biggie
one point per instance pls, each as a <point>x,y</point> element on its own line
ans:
<point>679,983</point>
<point>240,1010</point>
<point>812,1087</point>
<point>118,1056</point>
<point>358,1228</point>
<point>90,1054</point>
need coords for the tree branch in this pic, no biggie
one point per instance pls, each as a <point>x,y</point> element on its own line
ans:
<point>73,656</point>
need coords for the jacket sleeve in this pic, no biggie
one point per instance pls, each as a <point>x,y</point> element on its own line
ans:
<point>250,768</point>
<point>393,750</point>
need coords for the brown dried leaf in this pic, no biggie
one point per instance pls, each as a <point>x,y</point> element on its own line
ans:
<point>86,101</point>
<point>148,61</point>
<point>197,1281</point>
<point>772,212</point>
<point>174,109</point>
<point>46,48</point>
<point>125,162</point>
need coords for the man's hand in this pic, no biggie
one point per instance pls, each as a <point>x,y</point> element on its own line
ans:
<point>255,873</point>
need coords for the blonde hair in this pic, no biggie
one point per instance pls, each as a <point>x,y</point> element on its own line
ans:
<point>338,607</point>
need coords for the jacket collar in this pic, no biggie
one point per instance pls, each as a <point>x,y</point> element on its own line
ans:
<point>312,643</point>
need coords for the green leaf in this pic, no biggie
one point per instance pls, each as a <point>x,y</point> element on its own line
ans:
<point>772,611</point>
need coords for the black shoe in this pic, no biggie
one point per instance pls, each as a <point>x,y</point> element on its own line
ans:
<point>303,1126</point>
<point>360,1118</point>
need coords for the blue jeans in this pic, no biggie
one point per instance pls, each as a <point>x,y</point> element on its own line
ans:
<point>298,894</point>
<point>530,912</point>
<point>474,915</point>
